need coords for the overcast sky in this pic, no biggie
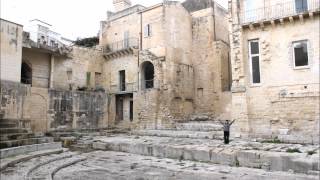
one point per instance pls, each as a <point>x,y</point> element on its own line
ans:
<point>70,18</point>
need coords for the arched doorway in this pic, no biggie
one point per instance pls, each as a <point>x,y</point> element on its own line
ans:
<point>147,75</point>
<point>26,73</point>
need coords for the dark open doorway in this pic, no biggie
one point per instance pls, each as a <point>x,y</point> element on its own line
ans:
<point>147,75</point>
<point>26,73</point>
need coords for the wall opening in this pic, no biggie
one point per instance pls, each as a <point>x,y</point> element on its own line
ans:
<point>119,108</point>
<point>131,111</point>
<point>122,80</point>
<point>26,73</point>
<point>147,74</point>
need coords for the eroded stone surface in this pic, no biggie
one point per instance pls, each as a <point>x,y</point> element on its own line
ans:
<point>107,165</point>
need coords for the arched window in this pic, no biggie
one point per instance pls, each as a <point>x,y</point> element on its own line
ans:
<point>26,73</point>
<point>147,75</point>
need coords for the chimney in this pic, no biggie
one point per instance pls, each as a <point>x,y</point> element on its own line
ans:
<point>120,5</point>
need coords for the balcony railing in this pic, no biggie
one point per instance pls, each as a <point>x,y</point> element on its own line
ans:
<point>117,89</point>
<point>279,11</point>
<point>121,45</point>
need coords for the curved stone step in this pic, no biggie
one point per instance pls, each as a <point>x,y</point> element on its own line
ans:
<point>15,136</point>
<point>180,134</point>
<point>199,126</point>
<point>8,152</point>
<point>11,161</point>
<point>13,130</point>
<point>104,165</point>
<point>237,154</point>
<point>47,169</point>
<point>23,142</point>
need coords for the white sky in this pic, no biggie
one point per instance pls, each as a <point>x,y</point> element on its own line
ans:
<point>70,18</point>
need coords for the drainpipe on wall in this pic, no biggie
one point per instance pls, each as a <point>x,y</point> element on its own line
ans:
<point>51,71</point>
<point>140,48</point>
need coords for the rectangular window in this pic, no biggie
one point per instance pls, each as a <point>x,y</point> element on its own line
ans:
<point>147,30</point>
<point>126,39</point>
<point>254,58</point>
<point>122,78</point>
<point>98,79</point>
<point>300,53</point>
<point>301,5</point>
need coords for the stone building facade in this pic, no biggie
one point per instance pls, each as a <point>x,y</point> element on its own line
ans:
<point>275,68</point>
<point>43,86</point>
<point>174,62</point>
<point>162,59</point>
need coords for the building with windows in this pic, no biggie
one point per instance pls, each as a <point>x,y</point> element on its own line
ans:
<point>160,60</point>
<point>172,62</point>
<point>275,68</point>
<point>43,85</point>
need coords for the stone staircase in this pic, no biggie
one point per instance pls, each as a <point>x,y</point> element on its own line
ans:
<point>14,132</point>
<point>201,140</point>
<point>267,156</point>
<point>197,128</point>
<point>190,146</point>
<point>16,138</point>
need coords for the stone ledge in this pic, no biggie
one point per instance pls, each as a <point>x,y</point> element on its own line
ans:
<point>17,159</point>
<point>4,153</point>
<point>223,154</point>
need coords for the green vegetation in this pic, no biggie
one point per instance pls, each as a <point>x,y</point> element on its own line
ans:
<point>294,150</point>
<point>87,42</point>
<point>275,141</point>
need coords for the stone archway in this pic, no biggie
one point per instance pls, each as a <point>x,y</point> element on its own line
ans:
<point>26,73</point>
<point>147,75</point>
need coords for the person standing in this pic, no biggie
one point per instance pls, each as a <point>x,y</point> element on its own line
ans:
<point>226,130</point>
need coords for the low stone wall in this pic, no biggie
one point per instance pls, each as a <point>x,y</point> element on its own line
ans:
<point>12,96</point>
<point>50,109</point>
<point>75,109</point>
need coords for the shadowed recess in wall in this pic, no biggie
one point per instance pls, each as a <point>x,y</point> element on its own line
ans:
<point>76,109</point>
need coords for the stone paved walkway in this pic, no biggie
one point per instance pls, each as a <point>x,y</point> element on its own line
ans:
<point>108,165</point>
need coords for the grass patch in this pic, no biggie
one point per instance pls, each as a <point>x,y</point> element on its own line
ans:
<point>294,150</point>
<point>274,141</point>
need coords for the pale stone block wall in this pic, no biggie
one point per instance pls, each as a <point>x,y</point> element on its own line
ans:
<point>40,65</point>
<point>298,110</point>
<point>72,71</point>
<point>12,97</point>
<point>286,102</point>
<point>211,64</point>
<point>11,51</point>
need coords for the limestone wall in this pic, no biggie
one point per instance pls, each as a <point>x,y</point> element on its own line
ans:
<point>127,63</point>
<point>286,102</point>
<point>11,51</point>
<point>114,29</point>
<point>298,110</point>
<point>156,41</point>
<point>53,109</point>
<point>12,97</point>
<point>75,109</point>
<point>72,72</point>
<point>40,65</point>
<point>211,66</point>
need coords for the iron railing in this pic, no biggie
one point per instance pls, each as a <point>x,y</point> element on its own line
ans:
<point>278,11</point>
<point>121,45</point>
<point>129,87</point>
